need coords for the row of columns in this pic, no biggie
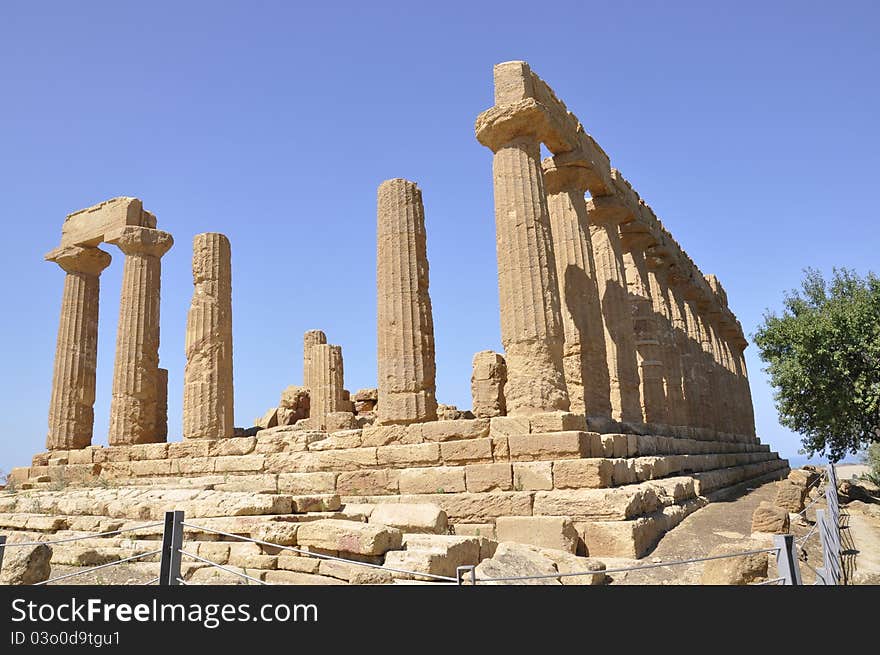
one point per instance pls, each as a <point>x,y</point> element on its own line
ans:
<point>594,319</point>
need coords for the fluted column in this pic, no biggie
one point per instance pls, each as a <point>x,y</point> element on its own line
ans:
<point>71,405</point>
<point>407,370</point>
<point>310,339</point>
<point>684,347</point>
<point>326,394</point>
<point>133,407</point>
<point>645,327</point>
<point>704,361</point>
<point>207,378</point>
<point>620,343</point>
<point>584,358</point>
<point>666,328</point>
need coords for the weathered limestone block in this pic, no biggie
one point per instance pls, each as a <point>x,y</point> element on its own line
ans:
<point>513,560</point>
<point>584,357</point>
<point>488,477</point>
<point>598,504</point>
<point>741,570</point>
<point>133,407</point>
<point>207,377</point>
<point>770,519</point>
<point>593,473</point>
<point>365,400</point>
<point>349,536</point>
<point>294,405</point>
<point>25,565</point>
<point>310,339</point>
<point>532,476</point>
<point>545,531</point>
<point>487,384</point>
<point>790,496</point>
<point>325,394</point>
<point>71,407</point>
<point>415,518</point>
<point>803,477</point>
<point>87,227</point>
<point>407,388</point>
<point>439,479</point>
<point>267,420</point>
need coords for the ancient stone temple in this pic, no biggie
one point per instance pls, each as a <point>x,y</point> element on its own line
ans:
<point>620,404</point>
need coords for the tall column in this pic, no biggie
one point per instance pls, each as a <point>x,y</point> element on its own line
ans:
<point>722,396</point>
<point>326,395</point>
<point>645,326</point>
<point>683,347</point>
<point>310,339</point>
<point>407,370</point>
<point>71,406</point>
<point>669,324</point>
<point>584,358</point>
<point>207,378</point>
<point>620,342</point>
<point>704,362</point>
<point>133,407</point>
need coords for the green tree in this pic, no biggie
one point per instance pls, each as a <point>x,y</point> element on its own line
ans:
<point>823,357</point>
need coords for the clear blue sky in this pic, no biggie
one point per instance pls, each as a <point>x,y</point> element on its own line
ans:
<point>750,128</point>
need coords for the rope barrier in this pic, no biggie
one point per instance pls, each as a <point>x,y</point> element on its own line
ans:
<point>100,566</point>
<point>223,568</point>
<point>87,536</point>
<point>153,581</point>
<point>445,578</point>
<point>183,582</point>
<point>631,568</point>
<point>770,581</point>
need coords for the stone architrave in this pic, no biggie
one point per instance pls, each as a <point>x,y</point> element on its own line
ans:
<point>583,356</point>
<point>406,365</point>
<point>487,384</point>
<point>136,378</point>
<point>531,321</point>
<point>647,340</point>
<point>327,393</point>
<point>71,406</point>
<point>310,339</point>
<point>605,214</point>
<point>207,378</point>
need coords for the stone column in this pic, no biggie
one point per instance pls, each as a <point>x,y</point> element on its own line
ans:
<point>487,384</point>
<point>620,342</point>
<point>722,397</point>
<point>584,358</point>
<point>738,344</point>
<point>162,406</point>
<point>645,328</point>
<point>407,391</point>
<point>310,339</point>
<point>669,355</point>
<point>326,394</point>
<point>71,406</point>
<point>705,361</point>
<point>207,378</point>
<point>684,348</point>
<point>136,381</point>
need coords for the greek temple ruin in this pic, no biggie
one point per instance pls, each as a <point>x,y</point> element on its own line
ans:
<point>619,405</point>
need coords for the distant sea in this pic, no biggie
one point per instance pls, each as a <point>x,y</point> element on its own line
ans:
<point>797,461</point>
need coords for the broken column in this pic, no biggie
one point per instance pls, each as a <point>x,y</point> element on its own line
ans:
<point>583,355</point>
<point>136,378</point>
<point>487,384</point>
<point>207,378</point>
<point>71,406</point>
<point>531,323</point>
<point>406,366</point>
<point>310,339</point>
<point>327,375</point>
<point>605,214</point>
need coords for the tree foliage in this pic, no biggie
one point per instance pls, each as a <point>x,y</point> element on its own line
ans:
<point>823,358</point>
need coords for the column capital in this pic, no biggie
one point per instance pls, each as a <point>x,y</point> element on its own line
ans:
<point>570,177</point>
<point>140,240</point>
<point>608,210</point>
<point>77,259</point>
<point>637,240</point>
<point>500,125</point>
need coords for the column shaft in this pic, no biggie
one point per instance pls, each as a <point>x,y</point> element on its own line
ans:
<point>326,395</point>
<point>71,405</point>
<point>207,380</point>
<point>406,366</point>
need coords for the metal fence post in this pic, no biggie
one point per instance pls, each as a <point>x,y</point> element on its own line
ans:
<point>172,542</point>
<point>460,571</point>
<point>786,559</point>
<point>830,548</point>
<point>2,548</point>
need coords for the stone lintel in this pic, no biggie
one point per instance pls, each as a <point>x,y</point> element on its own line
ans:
<point>88,226</point>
